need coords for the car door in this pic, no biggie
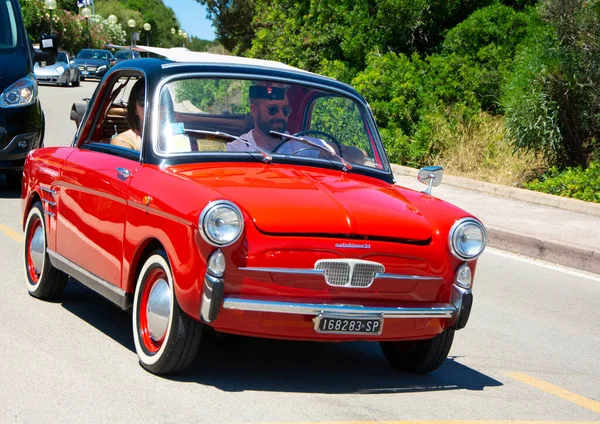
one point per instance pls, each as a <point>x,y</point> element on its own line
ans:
<point>93,191</point>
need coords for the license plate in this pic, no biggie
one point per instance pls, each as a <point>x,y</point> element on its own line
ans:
<point>348,325</point>
<point>84,72</point>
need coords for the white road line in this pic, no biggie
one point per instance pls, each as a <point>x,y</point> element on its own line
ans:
<point>543,264</point>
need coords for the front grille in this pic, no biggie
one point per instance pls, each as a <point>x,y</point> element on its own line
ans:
<point>349,272</point>
<point>87,67</point>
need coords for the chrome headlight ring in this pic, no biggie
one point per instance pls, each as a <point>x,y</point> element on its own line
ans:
<point>221,223</point>
<point>467,239</point>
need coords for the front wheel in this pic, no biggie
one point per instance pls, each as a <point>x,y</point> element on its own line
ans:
<point>166,339</point>
<point>421,356</point>
<point>43,280</point>
<point>76,83</point>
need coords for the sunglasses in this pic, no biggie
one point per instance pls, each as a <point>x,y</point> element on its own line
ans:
<point>140,101</point>
<point>273,110</point>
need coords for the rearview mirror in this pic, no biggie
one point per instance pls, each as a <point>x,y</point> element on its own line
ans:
<point>48,50</point>
<point>432,176</point>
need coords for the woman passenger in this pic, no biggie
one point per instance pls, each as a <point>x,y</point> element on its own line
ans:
<point>132,138</point>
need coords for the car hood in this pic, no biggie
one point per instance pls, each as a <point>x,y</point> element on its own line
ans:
<point>95,62</point>
<point>308,201</point>
<point>50,68</point>
<point>12,67</point>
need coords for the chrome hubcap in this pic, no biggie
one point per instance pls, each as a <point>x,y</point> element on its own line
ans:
<point>36,249</point>
<point>158,309</point>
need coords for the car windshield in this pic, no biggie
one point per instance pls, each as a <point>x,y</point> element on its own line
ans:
<point>92,54</point>
<point>62,57</point>
<point>9,30</point>
<point>122,55</point>
<point>239,116</point>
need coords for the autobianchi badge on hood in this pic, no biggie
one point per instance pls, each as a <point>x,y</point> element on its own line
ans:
<point>353,245</point>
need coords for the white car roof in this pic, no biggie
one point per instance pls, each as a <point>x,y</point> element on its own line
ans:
<point>181,54</point>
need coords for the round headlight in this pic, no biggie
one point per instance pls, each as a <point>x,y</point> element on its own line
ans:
<point>221,223</point>
<point>467,239</point>
<point>60,69</point>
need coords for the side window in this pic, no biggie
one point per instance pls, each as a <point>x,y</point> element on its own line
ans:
<point>120,121</point>
<point>341,118</point>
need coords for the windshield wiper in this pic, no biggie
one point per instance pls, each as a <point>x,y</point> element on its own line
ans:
<point>266,156</point>
<point>325,147</point>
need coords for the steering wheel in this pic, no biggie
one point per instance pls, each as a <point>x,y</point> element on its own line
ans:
<point>309,132</point>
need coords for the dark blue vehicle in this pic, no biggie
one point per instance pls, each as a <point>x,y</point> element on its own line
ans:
<point>21,117</point>
<point>93,63</point>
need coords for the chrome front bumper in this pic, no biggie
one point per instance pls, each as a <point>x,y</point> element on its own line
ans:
<point>457,311</point>
<point>245,304</point>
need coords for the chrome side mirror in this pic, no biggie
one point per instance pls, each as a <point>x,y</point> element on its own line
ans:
<point>432,176</point>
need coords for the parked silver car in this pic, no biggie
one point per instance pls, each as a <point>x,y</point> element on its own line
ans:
<point>62,72</point>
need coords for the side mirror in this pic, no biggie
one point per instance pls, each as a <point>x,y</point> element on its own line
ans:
<point>77,112</point>
<point>48,50</point>
<point>432,176</point>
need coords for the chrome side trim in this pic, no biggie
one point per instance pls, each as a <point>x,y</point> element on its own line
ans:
<point>155,211</point>
<point>104,288</point>
<point>407,277</point>
<point>49,202</point>
<point>256,305</point>
<point>307,271</point>
<point>304,271</point>
<point>48,190</point>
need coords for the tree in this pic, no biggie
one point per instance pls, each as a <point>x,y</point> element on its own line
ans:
<point>161,17</point>
<point>233,22</point>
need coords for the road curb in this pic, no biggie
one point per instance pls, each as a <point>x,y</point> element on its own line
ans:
<point>511,192</point>
<point>549,251</point>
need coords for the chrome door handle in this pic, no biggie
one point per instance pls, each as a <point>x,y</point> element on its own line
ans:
<point>123,172</point>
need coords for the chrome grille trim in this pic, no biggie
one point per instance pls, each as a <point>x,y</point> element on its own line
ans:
<point>48,190</point>
<point>349,272</point>
<point>49,202</point>
<point>307,271</point>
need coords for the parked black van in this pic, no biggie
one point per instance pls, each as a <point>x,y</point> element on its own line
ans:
<point>21,116</point>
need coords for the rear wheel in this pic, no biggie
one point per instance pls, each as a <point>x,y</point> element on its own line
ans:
<point>166,339</point>
<point>43,280</point>
<point>421,356</point>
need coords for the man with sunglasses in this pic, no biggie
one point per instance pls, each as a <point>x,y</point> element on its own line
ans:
<point>270,109</point>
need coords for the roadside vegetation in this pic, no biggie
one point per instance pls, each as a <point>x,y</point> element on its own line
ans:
<point>74,33</point>
<point>506,91</point>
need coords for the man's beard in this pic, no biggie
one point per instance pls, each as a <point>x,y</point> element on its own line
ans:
<point>268,125</point>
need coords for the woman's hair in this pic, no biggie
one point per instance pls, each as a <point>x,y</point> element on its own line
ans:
<point>137,91</point>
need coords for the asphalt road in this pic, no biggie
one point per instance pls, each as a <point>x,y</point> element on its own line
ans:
<point>531,352</point>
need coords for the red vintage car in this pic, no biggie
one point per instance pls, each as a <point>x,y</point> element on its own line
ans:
<point>253,198</point>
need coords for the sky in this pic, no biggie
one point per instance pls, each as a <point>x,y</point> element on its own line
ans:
<point>192,17</point>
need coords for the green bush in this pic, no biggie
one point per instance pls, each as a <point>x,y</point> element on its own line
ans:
<point>532,114</point>
<point>484,45</point>
<point>571,182</point>
<point>551,99</point>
